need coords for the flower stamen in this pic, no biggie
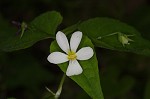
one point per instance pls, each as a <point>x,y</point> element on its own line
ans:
<point>72,55</point>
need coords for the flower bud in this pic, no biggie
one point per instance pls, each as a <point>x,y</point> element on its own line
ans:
<point>123,38</point>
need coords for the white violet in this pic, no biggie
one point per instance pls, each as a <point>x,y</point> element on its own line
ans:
<point>71,54</point>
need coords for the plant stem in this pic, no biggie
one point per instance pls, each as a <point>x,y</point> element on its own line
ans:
<point>50,91</point>
<point>107,35</point>
<point>60,87</point>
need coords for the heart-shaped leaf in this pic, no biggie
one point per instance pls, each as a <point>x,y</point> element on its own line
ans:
<point>104,33</point>
<point>42,27</point>
<point>89,79</point>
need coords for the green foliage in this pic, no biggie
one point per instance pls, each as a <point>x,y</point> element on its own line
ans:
<point>103,32</point>
<point>102,27</point>
<point>17,43</point>
<point>89,79</point>
<point>47,22</point>
<point>42,27</point>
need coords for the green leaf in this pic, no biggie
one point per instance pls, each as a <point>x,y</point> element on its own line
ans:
<point>104,28</point>
<point>47,22</point>
<point>42,27</point>
<point>16,43</point>
<point>89,79</point>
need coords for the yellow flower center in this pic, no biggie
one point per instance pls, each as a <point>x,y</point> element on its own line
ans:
<point>72,55</point>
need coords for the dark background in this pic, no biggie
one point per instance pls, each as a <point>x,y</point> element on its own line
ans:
<point>25,73</point>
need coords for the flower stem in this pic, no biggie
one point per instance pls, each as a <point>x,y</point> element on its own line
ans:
<point>107,35</point>
<point>60,87</point>
<point>50,91</point>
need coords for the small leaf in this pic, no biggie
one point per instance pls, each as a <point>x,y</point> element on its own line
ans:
<point>101,27</point>
<point>42,27</point>
<point>89,79</point>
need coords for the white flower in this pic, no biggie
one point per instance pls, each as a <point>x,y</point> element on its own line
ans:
<point>71,54</point>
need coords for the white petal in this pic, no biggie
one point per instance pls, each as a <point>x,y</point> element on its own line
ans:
<point>74,68</point>
<point>85,53</point>
<point>57,58</point>
<point>62,41</point>
<point>75,40</point>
